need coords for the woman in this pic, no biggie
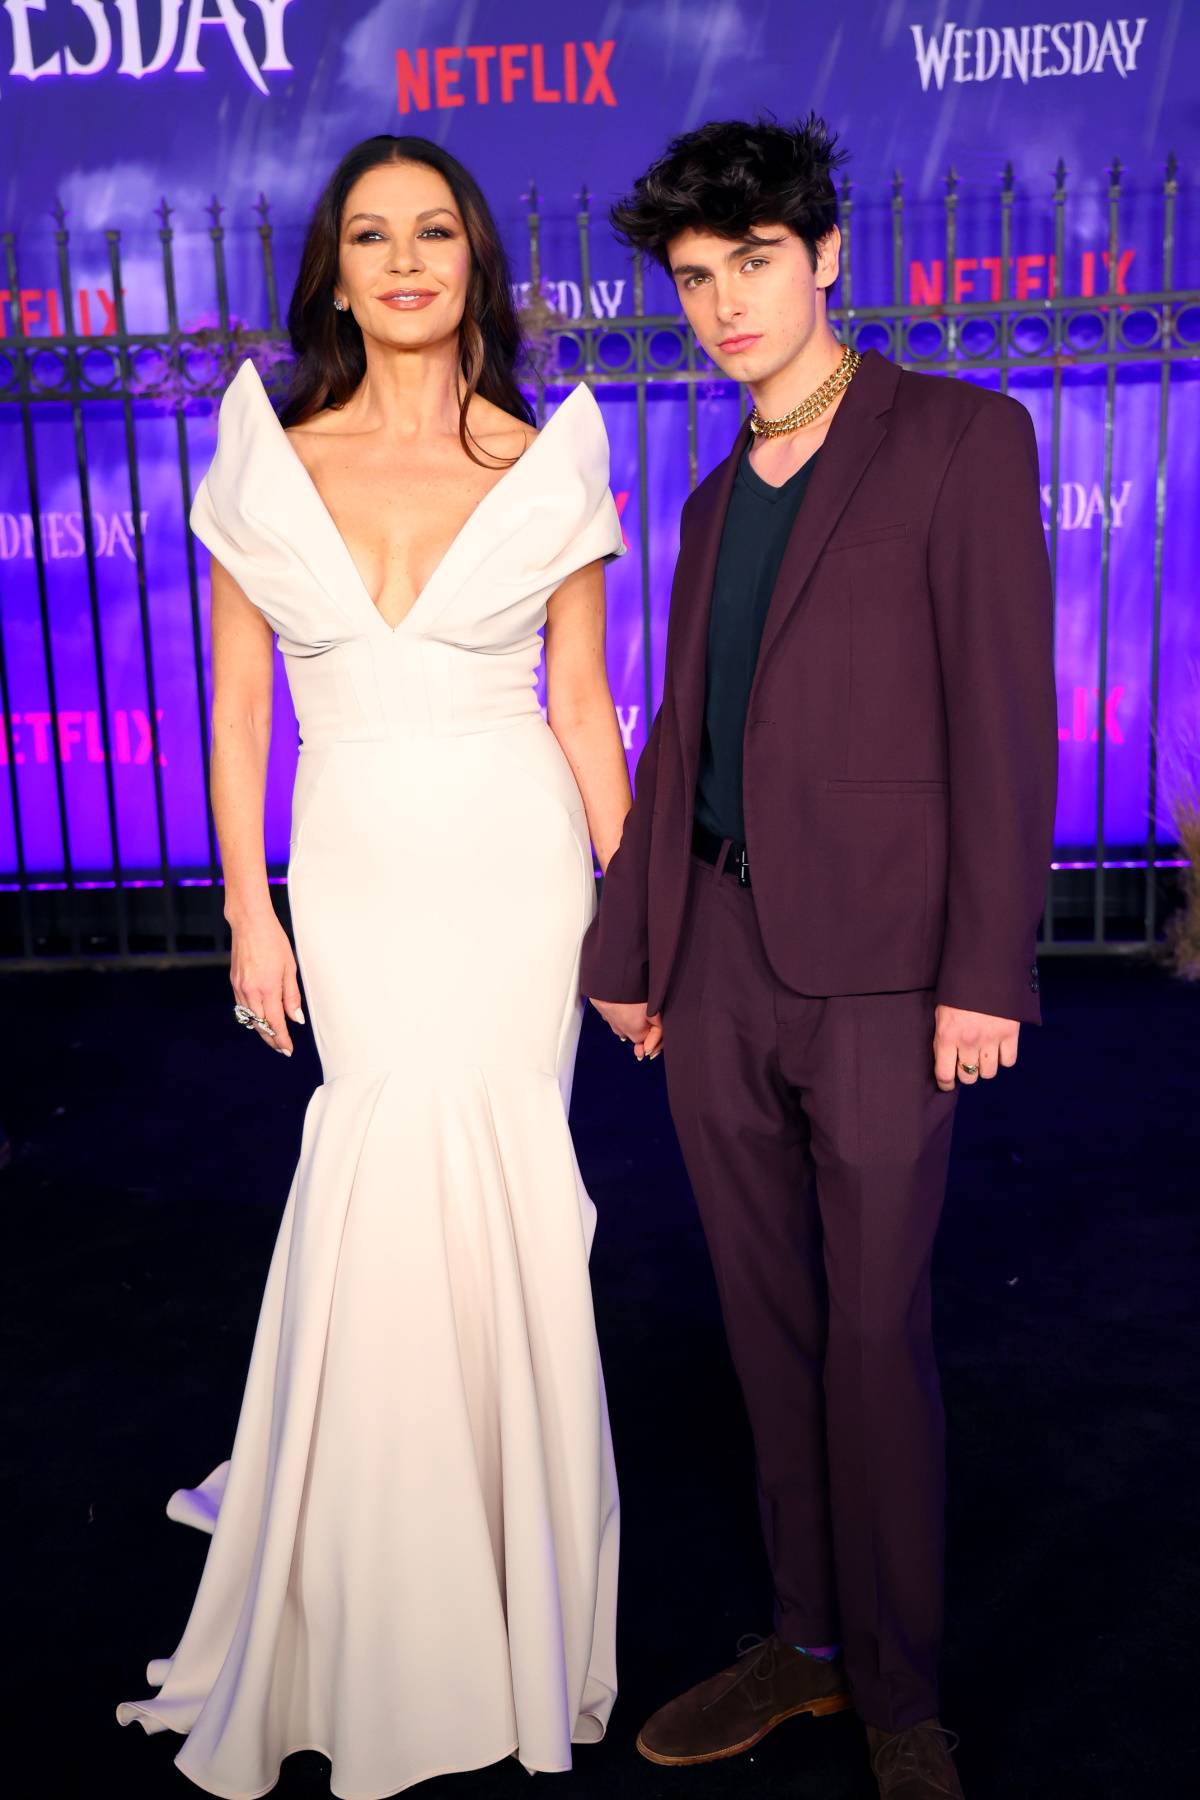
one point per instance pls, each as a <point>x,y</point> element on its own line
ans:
<point>413,1567</point>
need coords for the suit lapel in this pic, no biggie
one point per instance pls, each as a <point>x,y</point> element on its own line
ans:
<point>691,601</point>
<point>855,433</point>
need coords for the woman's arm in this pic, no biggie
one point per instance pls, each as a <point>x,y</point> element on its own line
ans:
<point>579,706</point>
<point>262,968</point>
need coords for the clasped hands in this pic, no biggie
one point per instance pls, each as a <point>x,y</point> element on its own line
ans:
<point>630,1021</point>
<point>967,1046</point>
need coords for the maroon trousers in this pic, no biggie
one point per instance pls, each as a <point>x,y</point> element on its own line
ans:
<point>816,1141</point>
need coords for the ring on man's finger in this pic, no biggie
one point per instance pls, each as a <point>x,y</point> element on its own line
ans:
<point>969,1068</point>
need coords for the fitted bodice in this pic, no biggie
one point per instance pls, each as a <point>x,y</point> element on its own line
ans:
<point>465,656</point>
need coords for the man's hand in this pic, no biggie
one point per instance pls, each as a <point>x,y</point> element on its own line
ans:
<point>631,1022</point>
<point>968,1045</point>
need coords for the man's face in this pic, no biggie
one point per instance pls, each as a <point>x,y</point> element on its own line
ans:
<point>755,304</point>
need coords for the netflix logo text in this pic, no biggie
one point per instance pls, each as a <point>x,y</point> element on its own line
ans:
<point>33,310</point>
<point>1033,275</point>
<point>29,737</point>
<point>574,74</point>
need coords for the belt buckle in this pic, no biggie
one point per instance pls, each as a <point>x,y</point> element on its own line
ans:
<point>741,864</point>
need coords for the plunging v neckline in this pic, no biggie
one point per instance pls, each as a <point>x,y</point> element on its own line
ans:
<point>337,533</point>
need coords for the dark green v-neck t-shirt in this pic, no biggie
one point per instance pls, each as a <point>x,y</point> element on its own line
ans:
<point>757,526</point>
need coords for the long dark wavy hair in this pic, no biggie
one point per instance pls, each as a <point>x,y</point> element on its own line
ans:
<point>331,358</point>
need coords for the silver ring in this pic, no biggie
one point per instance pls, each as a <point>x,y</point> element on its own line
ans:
<point>969,1068</point>
<point>245,1015</point>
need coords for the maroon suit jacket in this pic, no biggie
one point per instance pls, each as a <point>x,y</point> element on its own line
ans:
<point>901,739</point>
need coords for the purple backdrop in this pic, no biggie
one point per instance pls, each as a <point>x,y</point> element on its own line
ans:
<point>111,104</point>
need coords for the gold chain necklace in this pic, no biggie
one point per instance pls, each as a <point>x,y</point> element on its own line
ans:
<point>817,401</point>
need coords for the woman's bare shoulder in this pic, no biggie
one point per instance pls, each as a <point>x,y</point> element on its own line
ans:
<point>497,432</point>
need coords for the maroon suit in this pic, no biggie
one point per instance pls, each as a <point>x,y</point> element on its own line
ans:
<point>899,784</point>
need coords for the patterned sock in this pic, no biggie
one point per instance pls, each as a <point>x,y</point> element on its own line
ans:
<point>822,1652</point>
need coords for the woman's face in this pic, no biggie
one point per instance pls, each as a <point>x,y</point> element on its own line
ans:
<point>404,260</point>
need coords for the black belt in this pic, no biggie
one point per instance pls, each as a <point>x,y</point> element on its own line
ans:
<point>707,845</point>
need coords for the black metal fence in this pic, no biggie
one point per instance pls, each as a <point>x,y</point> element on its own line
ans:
<point>1096,902</point>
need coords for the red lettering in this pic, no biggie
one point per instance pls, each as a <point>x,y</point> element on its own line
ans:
<point>1112,728</point>
<point>69,732</point>
<point>5,297</point>
<point>1079,716</point>
<point>540,90</point>
<point>963,287</point>
<point>926,286</point>
<point>599,56</point>
<point>30,304</point>
<point>9,739</point>
<point>40,723</point>
<point>511,70</point>
<point>142,722</point>
<point>92,738</point>
<point>412,84</point>
<point>1029,281</point>
<point>1123,262</point>
<point>53,313</point>
<point>481,55</point>
<point>992,265</point>
<point>1087,283</point>
<point>571,72</point>
<point>445,78</point>
<point>85,313</point>
<point>110,311</point>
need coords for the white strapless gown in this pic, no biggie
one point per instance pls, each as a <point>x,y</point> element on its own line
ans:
<point>413,1565</point>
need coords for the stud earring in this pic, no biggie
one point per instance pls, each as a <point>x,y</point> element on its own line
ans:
<point>339,306</point>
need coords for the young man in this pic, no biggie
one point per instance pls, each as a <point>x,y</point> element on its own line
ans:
<point>825,906</point>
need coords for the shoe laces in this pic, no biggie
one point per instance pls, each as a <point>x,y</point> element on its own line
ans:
<point>900,1755</point>
<point>763,1667</point>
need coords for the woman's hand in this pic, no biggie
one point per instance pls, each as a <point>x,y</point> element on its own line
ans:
<point>262,973</point>
<point>634,1025</point>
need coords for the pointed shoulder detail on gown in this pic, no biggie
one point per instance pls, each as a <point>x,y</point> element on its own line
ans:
<point>260,513</point>
<point>560,513</point>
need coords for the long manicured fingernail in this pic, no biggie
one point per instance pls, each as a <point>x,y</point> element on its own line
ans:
<point>284,1052</point>
<point>298,1015</point>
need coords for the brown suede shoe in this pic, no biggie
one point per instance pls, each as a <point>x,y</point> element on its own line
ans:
<point>914,1764</point>
<point>729,1712</point>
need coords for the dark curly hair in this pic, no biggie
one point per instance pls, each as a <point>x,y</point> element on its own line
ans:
<point>331,358</point>
<point>729,176</point>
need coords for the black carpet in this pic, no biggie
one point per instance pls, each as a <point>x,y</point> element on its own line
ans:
<point>152,1147</point>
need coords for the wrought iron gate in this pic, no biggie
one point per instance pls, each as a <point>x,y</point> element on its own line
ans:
<point>1096,901</point>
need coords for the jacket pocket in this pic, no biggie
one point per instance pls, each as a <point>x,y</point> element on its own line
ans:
<point>868,534</point>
